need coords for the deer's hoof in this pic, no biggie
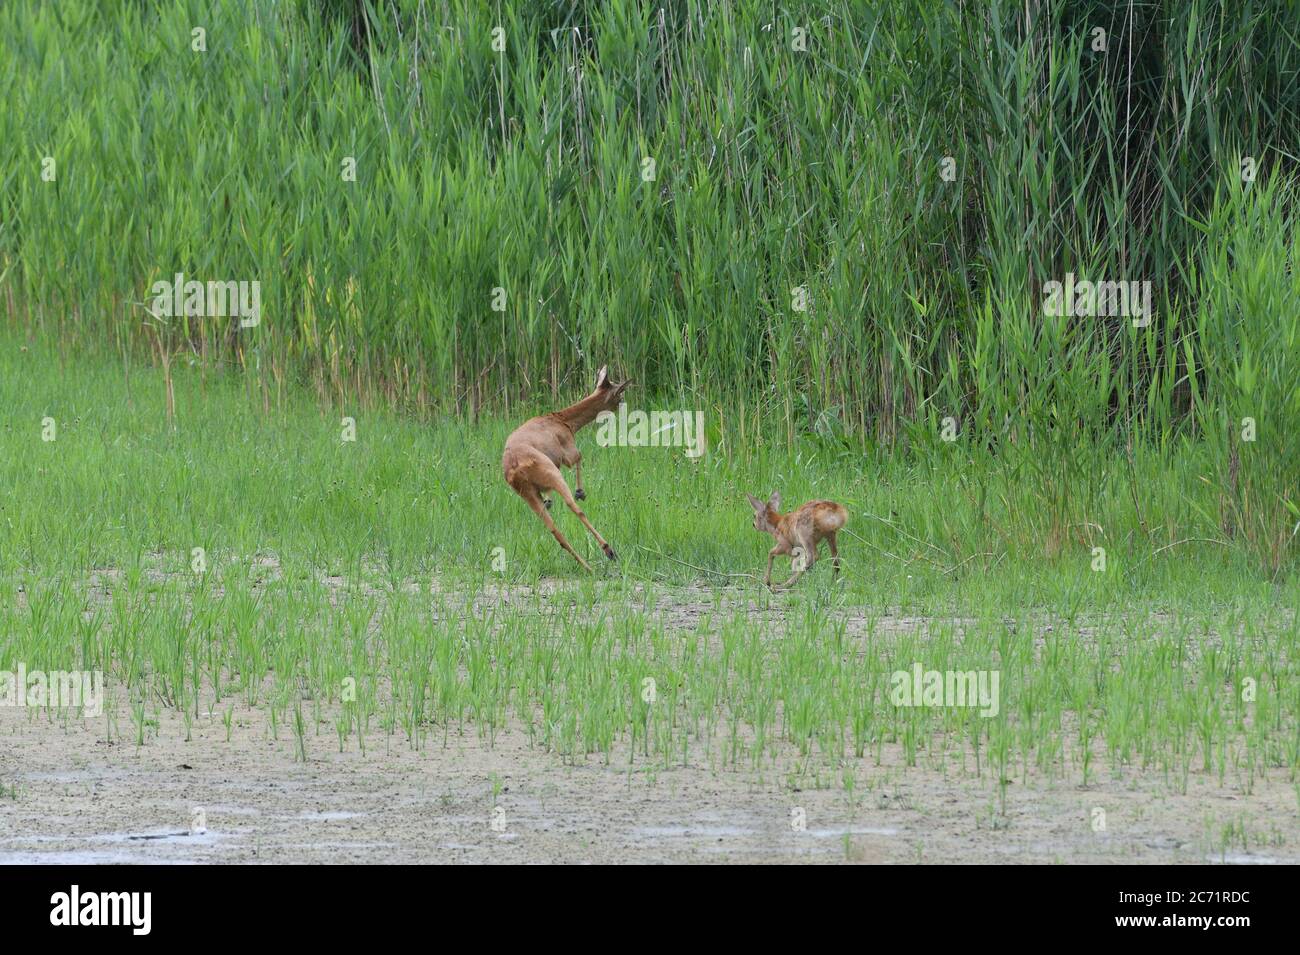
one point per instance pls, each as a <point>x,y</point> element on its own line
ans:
<point>609,552</point>
<point>580,494</point>
<point>546,503</point>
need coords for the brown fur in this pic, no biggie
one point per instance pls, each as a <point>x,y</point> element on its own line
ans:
<point>799,532</point>
<point>539,447</point>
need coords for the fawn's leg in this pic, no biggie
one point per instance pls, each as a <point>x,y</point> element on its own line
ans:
<point>530,494</point>
<point>579,493</point>
<point>835,553</point>
<point>798,572</point>
<point>767,578</point>
<point>803,557</point>
<point>551,479</point>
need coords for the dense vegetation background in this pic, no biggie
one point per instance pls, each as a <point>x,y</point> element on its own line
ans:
<point>832,220</point>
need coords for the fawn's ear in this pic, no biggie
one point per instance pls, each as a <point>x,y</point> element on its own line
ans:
<point>756,504</point>
<point>774,502</point>
<point>618,391</point>
<point>602,378</point>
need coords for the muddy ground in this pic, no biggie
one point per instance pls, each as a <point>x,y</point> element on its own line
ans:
<point>70,796</point>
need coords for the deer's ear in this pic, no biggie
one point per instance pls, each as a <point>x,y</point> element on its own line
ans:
<point>755,503</point>
<point>774,502</point>
<point>602,378</point>
<point>618,391</point>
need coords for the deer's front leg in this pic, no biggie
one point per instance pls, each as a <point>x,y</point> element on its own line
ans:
<point>767,578</point>
<point>798,572</point>
<point>802,556</point>
<point>578,492</point>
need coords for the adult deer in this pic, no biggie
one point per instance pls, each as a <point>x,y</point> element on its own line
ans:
<point>537,449</point>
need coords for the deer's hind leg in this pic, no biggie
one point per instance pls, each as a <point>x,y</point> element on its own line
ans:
<point>533,498</point>
<point>548,478</point>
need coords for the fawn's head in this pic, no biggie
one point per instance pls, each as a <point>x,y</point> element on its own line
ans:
<point>608,394</point>
<point>765,512</point>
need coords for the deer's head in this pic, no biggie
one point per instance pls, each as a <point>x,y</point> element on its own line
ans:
<point>608,394</point>
<point>765,512</point>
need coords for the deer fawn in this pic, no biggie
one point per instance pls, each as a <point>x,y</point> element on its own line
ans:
<point>536,449</point>
<point>799,532</point>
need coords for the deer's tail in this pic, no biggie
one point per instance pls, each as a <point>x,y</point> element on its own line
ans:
<point>836,517</point>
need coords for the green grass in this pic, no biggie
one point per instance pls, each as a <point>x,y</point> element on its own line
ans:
<point>236,476</point>
<point>1143,668</point>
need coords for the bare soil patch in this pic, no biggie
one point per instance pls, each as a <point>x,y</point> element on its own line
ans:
<point>70,796</point>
